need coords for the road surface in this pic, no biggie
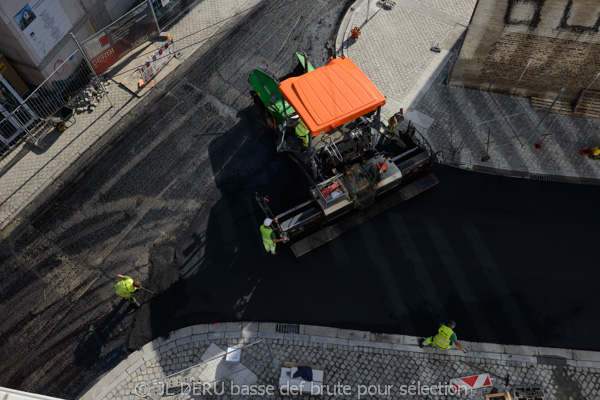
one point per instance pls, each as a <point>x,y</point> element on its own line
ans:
<point>170,201</point>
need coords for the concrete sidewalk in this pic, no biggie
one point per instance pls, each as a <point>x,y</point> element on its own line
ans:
<point>369,365</point>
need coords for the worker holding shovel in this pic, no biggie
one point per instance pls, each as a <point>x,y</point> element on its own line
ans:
<point>126,287</point>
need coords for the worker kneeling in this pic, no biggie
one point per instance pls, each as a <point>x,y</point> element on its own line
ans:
<point>444,338</point>
<point>302,133</point>
<point>268,235</point>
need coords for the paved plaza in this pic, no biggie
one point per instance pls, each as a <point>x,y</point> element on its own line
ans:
<point>394,51</point>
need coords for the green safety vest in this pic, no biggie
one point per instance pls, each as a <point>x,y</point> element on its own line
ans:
<point>395,120</point>
<point>442,339</point>
<point>125,288</point>
<point>302,133</point>
<point>266,234</point>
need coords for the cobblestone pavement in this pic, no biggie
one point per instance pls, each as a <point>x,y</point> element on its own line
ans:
<point>357,364</point>
<point>394,50</point>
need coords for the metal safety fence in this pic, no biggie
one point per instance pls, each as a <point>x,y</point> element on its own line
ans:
<point>169,12</point>
<point>494,125</point>
<point>44,109</point>
<point>115,41</point>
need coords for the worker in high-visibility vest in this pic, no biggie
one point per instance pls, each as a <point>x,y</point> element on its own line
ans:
<point>395,120</point>
<point>444,338</point>
<point>268,235</point>
<point>302,133</point>
<point>126,287</point>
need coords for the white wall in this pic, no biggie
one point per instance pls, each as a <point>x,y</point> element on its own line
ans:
<point>35,58</point>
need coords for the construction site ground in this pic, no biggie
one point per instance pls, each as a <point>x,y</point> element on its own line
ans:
<point>77,331</point>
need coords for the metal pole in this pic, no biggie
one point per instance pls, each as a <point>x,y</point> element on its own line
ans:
<point>154,15</point>
<point>554,120</point>
<point>460,146</point>
<point>521,77</point>
<point>368,6</point>
<point>464,90</point>
<point>546,113</point>
<point>487,149</point>
<point>451,67</point>
<point>485,122</point>
<point>25,129</point>
<point>84,54</point>
<point>594,80</point>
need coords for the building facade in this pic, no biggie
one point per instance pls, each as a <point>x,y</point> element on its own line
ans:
<point>532,48</point>
<point>35,34</point>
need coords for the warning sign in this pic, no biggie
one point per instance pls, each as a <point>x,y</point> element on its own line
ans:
<point>158,61</point>
<point>471,382</point>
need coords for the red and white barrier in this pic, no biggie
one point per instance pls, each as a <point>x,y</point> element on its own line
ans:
<point>157,62</point>
<point>471,382</point>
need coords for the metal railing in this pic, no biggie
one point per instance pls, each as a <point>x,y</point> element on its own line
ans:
<point>32,118</point>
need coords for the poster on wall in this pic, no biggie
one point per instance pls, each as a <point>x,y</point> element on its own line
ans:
<point>44,23</point>
<point>114,42</point>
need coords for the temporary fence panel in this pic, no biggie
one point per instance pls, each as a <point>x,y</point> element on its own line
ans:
<point>158,61</point>
<point>13,115</point>
<point>168,12</point>
<point>32,117</point>
<point>107,47</point>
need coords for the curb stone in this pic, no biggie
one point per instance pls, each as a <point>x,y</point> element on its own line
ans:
<point>372,343</point>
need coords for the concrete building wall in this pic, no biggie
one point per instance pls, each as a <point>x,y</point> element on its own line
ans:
<point>35,53</point>
<point>532,47</point>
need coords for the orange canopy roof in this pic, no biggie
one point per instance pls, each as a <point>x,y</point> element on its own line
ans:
<point>332,95</point>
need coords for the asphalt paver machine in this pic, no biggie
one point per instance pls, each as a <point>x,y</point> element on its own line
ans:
<point>356,165</point>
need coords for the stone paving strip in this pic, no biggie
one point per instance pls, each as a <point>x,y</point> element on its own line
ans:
<point>356,361</point>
